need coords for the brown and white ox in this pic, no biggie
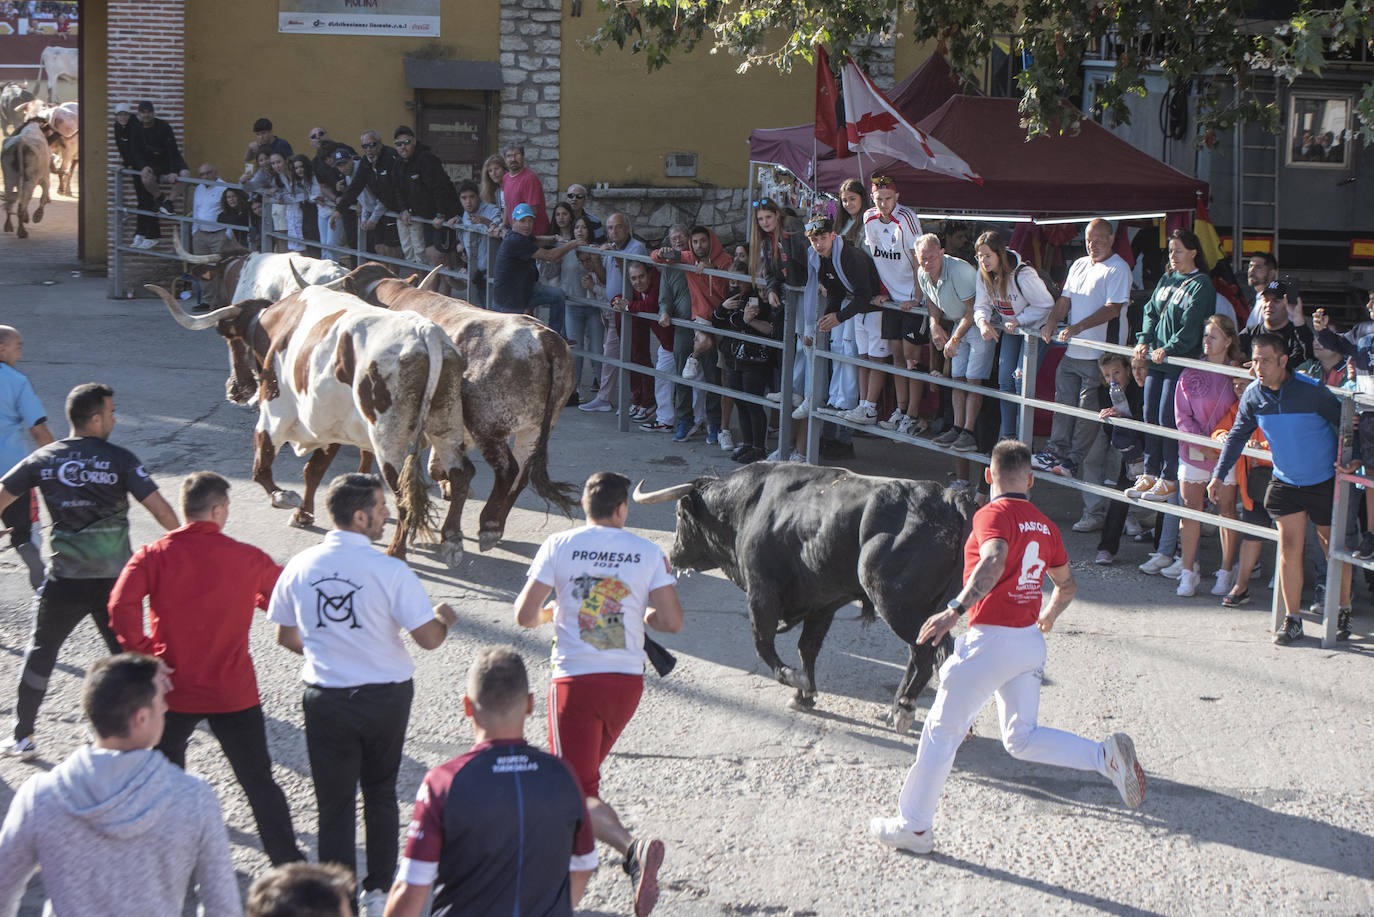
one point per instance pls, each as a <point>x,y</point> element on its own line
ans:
<point>61,128</point>
<point>517,377</point>
<point>257,275</point>
<point>330,370</point>
<point>25,162</point>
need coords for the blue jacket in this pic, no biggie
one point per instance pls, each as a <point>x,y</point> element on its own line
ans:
<point>1299,420</point>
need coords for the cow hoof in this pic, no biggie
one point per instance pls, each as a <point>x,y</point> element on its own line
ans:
<point>23,233</point>
<point>902,720</point>
<point>450,553</point>
<point>38,215</point>
<point>487,540</point>
<point>802,702</point>
<point>285,499</point>
<point>302,520</point>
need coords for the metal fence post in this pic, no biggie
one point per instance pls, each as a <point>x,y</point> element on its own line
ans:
<point>819,371</point>
<point>1340,511</point>
<point>791,299</point>
<point>118,221</point>
<point>622,388</point>
<point>1030,362</point>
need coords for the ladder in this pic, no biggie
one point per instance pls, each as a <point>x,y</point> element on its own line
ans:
<point>1258,159</point>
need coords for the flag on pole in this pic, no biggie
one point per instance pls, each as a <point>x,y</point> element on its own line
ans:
<point>829,107</point>
<point>873,126</point>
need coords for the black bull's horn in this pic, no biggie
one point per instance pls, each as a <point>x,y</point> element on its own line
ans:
<point>661,496</point>
<point>193,322</point>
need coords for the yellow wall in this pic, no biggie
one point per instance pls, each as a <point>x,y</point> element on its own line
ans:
<point>618,121</point>
<point>239,68</point>
<point>95,135</point>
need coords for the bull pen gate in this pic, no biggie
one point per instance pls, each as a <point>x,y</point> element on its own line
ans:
<point>818,359</point>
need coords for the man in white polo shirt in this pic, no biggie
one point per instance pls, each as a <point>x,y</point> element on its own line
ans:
<point>343,605</point>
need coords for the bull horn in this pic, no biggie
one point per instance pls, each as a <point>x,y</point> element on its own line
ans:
<point>193,322</point>
<point>189,258</point>
<point>661,496</point>
<point>300,281</point>
<point>431,281</point>
<point>335,285</point>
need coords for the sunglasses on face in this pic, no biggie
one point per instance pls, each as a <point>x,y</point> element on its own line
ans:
<point>403,143</point>
<point>369,146</point>
<point>573,196</point>
<point>817,226</point>
<point>319,136</point>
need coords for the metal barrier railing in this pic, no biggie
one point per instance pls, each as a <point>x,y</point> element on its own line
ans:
<point>820,355</point>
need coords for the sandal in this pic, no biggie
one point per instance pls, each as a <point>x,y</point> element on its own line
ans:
<point>1236,599</point>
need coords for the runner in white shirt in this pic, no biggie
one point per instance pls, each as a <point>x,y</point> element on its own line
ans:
<point>343,605</point>
<point>890,234</point>
<point>609,583</point>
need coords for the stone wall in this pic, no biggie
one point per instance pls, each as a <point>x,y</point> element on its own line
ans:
<point>531,67</point>
<point>653,210</point>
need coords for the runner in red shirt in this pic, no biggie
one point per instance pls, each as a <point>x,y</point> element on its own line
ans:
<point>202,588</point>
<point>1012,547</point>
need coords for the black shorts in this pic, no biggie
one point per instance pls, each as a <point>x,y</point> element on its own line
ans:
<point>1257,481</point>
<point>904,326</point>
<point>1366,433</point>
<point>20,516</point>
<point>1282,499</point>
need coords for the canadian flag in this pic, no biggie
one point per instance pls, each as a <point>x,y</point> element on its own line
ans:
<point>875,127</point>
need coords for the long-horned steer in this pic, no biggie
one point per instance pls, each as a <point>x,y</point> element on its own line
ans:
<point>517,377</point>
<point>804,541</point>
<point>330,370</point>
<point>26,163</point>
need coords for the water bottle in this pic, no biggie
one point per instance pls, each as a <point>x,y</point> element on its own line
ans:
<point>1119,399</point>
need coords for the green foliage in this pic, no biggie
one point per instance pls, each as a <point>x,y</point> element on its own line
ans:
<point>1211,41</point>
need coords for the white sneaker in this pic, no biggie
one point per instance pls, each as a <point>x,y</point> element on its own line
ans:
<point>802,410</point>
<point>1156,563</point>
<point>892,422</point>
<point>1174,570</point>
<point>596,406</point>
<point>24,749</point>
<point>796,457</point>
<point>372,904</point>
<point>861,414</point>
<point>1188,581</point>
<point>774,456</point>
<point>1123,768</point>
<point>1133,528</point>
<point>1088,524</point>
<point>908,426</point>
<point>1226,579</point>
<point>893,832</point>
<point>692,368</point>
<point>775,397</point>
<point>727,442</point>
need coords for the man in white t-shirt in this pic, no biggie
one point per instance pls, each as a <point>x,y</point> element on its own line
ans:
<point>343,605</point>
<point>890,233</point>
<point>607,583</point>
<point>1096,291</point>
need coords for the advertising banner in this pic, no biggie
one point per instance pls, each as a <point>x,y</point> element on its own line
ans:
<point>419,18</point>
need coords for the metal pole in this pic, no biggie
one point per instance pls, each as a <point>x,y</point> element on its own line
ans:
<point>1340,511</point>
<point>622,388</point>
<point>819,372</point>
<point>359,238</point>
<point>790,300</point>
<point>118,231</point>
<point>1025,420</point>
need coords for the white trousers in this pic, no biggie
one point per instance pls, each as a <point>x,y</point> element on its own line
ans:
<point>844,377</point>
<point>663,390</point>
<point>1003,662</point>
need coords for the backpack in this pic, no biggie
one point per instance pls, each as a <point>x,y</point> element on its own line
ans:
<point>1045,278</point>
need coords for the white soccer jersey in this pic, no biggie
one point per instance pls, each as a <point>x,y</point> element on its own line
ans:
<point>891,243</point>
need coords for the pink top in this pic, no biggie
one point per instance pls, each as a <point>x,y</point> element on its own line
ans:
<point>524,188</point>
<point>1201,400</point>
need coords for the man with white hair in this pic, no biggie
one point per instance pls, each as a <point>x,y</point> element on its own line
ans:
<point>577,203</point>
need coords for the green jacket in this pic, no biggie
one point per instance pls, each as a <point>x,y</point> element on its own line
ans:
<point>676,299</point>
<point>1176,314</point>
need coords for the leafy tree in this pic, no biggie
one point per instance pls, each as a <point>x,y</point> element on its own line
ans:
<point>1215,41</point>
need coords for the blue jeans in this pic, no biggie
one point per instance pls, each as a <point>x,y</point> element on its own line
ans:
<point>1008,361</point>
<point>330,236</point>
<point>1161,454</point>
<point>585,327</point>
<point>545,295</point>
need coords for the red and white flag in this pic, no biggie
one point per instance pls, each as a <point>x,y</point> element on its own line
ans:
<point>876,128</point>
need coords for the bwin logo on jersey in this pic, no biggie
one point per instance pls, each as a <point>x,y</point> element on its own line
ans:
<point>334,602</point>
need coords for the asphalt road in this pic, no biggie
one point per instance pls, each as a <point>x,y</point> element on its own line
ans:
<point>1258,757</point>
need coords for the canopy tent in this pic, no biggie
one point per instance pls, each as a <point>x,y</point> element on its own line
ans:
<point>1091,173</point>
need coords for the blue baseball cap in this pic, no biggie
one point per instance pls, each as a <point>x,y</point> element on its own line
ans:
<point>522,212</point>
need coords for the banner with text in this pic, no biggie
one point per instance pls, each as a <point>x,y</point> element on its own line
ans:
<point>418,18</point>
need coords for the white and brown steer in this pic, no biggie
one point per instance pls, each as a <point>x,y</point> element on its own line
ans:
<point>330,370</point>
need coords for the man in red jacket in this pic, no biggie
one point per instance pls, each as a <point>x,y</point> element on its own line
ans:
<point>202,587</point>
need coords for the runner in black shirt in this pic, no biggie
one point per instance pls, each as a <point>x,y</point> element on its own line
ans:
<point>502,829</point>
<point>85,482</point>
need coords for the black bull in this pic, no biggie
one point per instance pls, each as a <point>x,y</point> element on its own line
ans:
<point>804,541</point>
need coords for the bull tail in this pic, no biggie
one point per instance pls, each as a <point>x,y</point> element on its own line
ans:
<point>559,493</point>
<point>412,495</point>
<point>867,615</point>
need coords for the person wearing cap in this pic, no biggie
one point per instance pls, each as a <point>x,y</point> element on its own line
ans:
<point>521,186</point>
<point>1282,316</point>
<point>343,161</point>
<point>156,156</point>
<point>265,139</point>
<point>426,196</point>
<point>146,230</point>
<point>516,288</point>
